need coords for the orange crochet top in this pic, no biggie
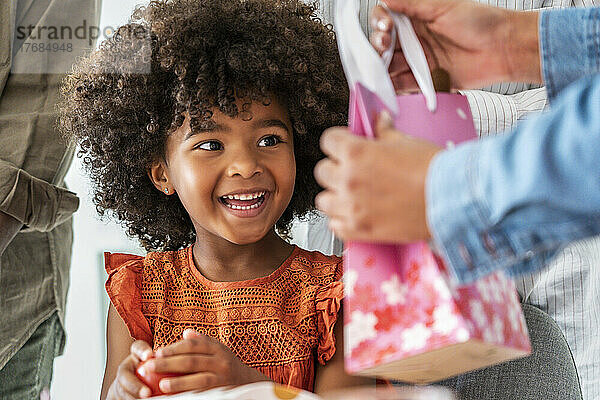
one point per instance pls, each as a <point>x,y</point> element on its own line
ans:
<point>278,324</point>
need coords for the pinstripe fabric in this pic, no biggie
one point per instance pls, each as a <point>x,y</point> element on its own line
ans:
<point>327,10</point>
<point>569,289</point>
<point>494,112</point>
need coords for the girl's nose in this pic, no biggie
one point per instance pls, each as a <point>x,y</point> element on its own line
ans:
<point>245,164</point>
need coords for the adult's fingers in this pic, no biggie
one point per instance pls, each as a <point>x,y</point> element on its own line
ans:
<point>338,227</point>
<point>326,173</point>
<point>382,24</point>
<point>380,19</point>
<point>141,350</point>
<point>327,202</point>
<point>384,127</point>
<point>339,143</point>
<point>199,381</point>
<point>424,10</point>
<point>185,363</point>
<point>381,41</point>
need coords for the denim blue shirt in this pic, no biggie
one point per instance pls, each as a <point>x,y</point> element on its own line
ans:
<point>511,202</point>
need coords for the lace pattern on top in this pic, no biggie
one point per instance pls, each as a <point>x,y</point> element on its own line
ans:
<point>277,324</point>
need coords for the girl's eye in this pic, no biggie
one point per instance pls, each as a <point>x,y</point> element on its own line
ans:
<point>211,145</point>
<point>270,140</point>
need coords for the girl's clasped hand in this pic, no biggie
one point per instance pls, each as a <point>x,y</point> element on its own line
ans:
<point>197,362</point>
<point>126,384</point>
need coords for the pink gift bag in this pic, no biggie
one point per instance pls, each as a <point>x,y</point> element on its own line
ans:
<point>403,319</point>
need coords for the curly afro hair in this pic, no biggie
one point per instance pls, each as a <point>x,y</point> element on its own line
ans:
<point>192,56</point>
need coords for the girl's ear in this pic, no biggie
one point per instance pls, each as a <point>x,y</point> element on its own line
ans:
<point>159,177</point>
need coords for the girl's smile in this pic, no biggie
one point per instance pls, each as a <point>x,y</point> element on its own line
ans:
<point>246,204</point>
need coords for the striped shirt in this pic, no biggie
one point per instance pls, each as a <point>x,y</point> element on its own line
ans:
<point>569,288</point>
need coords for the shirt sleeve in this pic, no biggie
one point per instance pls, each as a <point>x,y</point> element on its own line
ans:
<point>328,303</point>
<point>512,201</point>
<point>36,203</point>
<point>124,288</point>
<point>494,112</point>
<point>34,159</point>
<point>569,46</point>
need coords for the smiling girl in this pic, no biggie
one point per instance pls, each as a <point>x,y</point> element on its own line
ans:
<point>200,133</point>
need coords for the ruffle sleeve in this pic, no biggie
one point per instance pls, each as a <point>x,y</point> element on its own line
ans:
<point>124,288</point>
<point>328,304</point>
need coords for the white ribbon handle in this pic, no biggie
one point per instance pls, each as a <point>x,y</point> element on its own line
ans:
<point>362,63</point>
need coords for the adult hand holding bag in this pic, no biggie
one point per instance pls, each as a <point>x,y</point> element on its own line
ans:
<point>404,320</point>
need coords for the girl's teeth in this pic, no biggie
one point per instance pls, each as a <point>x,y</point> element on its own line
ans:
<point>244,196</point>
<point>244,207</point>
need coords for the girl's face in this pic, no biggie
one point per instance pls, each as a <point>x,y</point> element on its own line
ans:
<point>236,179</point>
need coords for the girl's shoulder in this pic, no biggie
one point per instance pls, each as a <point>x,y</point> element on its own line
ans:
<point>314,256</point>
<point>115,262</point>
<point>317,265</point>
<point>130,275</point>
<point>321,282</point>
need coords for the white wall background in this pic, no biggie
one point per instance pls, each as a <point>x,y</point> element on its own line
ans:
<point>78,373</point>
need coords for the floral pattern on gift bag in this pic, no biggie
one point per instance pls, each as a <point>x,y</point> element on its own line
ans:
<point>415,310</point>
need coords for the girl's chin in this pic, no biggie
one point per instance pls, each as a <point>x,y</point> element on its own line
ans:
<point>245,238</point>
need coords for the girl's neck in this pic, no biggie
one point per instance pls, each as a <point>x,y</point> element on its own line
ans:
<point>222,261</point>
